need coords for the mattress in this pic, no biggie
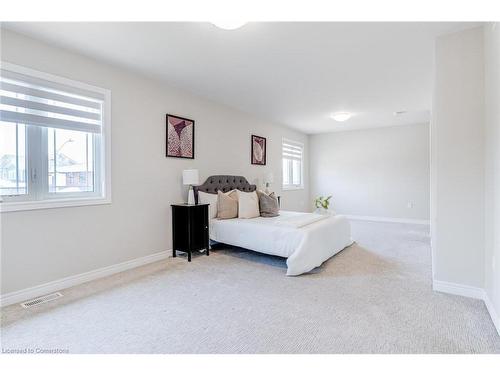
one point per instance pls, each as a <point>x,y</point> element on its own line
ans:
<point>305,246</point>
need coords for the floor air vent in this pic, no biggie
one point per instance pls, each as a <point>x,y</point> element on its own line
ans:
<point>39,300</point>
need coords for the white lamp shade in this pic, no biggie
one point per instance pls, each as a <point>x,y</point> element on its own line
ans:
<point>190,177</point>
<point>269,178</point>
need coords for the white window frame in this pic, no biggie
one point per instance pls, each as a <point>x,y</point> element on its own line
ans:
<point>292,186</point>
<point>39,199</point>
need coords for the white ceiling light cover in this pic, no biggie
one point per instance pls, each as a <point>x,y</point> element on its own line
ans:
<point>229,24</point>
<point>341,116</point>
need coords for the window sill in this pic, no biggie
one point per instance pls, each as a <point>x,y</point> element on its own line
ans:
<point>52,203</point>
<point>285,188</point>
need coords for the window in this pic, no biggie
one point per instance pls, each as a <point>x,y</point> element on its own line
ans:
<point>292,164</point>
<point>54,141</point>
<point>71,166</point>
<point>12,159</point>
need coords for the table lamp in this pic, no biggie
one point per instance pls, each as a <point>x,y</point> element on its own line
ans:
<point>190,177</point>
<point>268,180</point>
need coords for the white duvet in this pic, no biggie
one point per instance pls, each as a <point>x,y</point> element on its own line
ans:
<point>306,240</point>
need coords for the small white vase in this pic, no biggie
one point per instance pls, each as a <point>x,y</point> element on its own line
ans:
<point>321,211</point>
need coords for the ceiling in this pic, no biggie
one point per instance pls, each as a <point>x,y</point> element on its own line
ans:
<point>292,73</point>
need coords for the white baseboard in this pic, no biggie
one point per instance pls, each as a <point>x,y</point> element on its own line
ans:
<point>56,285</point>
<point>388,219</point>
<point>493,313</point>
<point>458,289</point>
<point>472,292</point>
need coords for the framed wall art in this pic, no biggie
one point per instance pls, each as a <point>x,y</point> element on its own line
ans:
<point>180,137</point>
<point>258,150</point>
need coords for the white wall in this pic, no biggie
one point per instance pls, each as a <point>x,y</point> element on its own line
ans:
<point>374,172</point>
<point>44,245</point>
<point>492,156</point>
<point>457,160</point>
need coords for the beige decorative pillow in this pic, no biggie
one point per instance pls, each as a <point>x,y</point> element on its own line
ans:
<point>227,205</point>
<point>248,205</point>
<point>211,199</point>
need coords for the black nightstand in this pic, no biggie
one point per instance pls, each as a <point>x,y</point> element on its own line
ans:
<point>190,228</point>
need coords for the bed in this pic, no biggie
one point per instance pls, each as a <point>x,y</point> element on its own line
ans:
<point>305,239</point>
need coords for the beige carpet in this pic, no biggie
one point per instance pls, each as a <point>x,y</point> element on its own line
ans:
<point>374,297</point>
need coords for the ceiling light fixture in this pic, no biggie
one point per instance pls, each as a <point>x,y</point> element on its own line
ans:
<point>229,24</point>
<point>341,116</point>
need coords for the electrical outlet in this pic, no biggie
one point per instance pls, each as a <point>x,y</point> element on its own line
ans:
<point>410,205</point>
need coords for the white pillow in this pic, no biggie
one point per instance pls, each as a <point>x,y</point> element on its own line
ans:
<point>248,205</point>
<point>211,199</point>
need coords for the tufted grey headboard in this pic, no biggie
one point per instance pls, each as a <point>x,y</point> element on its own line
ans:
<point>223,183</point>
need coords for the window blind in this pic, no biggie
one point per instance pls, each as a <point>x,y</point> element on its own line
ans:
<point>34,101</point>
<point>292,150</point>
